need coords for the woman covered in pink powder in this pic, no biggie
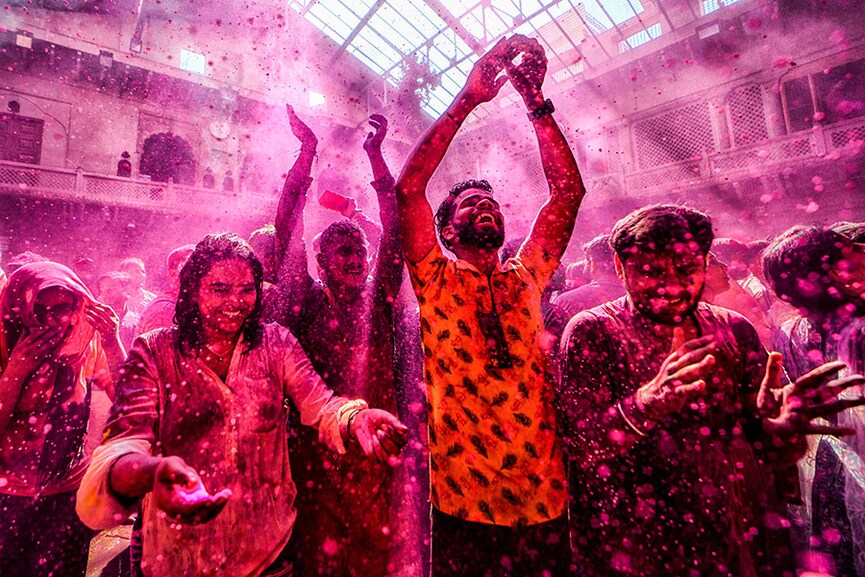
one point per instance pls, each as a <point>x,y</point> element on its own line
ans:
<point>198,430</point>
<point>57,348</point>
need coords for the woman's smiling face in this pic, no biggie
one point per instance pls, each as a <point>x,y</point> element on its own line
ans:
<point>226,297</point>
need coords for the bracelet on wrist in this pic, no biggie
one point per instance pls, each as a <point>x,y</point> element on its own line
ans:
<point>544,109</point>
<point>350,419</point>
<point>640,410</point>
<point>629,422</point>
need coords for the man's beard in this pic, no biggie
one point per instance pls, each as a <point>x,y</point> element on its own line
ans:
<point>647,311</point>
<point>486,238</point>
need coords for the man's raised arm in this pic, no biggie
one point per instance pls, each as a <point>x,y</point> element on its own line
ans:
<point>555,221</point>
<point>290,260</point>
<point>389,261</point>
<point>415,213</point>
<point>289,211</point>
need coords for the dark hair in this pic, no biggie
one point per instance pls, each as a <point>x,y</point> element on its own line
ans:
<point>657,228</point>
<point>797,265</point>
<point>212,249</point>
<point>577,271</point>
<point>757,247</point>
<point>263,243</point>
<point>267,233</point>
<point>445,211</point>
<point>601,252</point>
<point>339,229</point>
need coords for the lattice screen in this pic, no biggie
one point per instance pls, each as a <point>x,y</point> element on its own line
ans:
<point>37,178</point>
<point>768,154</point>
<point>15,176</point>
<point>747,116</point>
<point>184,196</point>
<point>121,192</point>
<point>56,180</point>
<point>106,189</point>
<point>675,136</point>
<point>668,177</point>
<point>841,138</point>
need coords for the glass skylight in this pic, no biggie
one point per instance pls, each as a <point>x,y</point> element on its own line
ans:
<point>640,38</point>
<point>443,38</point>
<point>713,5</point>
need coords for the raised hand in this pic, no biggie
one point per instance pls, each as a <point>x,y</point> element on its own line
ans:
<point>179,492</point>
<point>35,347</point>
<point>815,394</point>
<point>103,319</point>
<point>527,77</point>
<point>374,139</point>
<point>300,130</point>
<point>484,81</point>
<point>379,434</point>
<point>682,377</point>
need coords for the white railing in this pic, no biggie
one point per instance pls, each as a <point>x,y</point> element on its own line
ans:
<point>820,143</point>
<point>823,142</point>
<point>49,182</point>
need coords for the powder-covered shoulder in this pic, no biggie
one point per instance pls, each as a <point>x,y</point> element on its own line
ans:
<point>725,315</point>
<point>274,334</point>
<point>590,327</point>
<point>741,328</point>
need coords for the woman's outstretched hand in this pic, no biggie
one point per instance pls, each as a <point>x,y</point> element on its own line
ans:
<point>179,492</point>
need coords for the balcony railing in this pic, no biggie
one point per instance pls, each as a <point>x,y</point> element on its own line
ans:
<point>75,185</point>
<point>822,143</point>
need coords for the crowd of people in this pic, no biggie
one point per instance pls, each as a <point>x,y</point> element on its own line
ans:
<point>675,404</point>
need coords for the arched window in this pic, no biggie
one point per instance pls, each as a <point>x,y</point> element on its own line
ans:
<point>166,155</point>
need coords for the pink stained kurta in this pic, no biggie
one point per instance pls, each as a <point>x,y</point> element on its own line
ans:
<point>700,493</point>
<point>232,433</point>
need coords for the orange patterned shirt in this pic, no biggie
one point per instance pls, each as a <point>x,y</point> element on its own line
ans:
<point>494,454</point>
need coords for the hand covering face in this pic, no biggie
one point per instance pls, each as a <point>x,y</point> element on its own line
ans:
<point>57,404</point>
<point>18,300</point>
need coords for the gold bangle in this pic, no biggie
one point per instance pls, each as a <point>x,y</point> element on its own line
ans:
<point>628,421</point>
<point>350,419</point>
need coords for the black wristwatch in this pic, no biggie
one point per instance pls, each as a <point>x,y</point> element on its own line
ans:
<point>543,110</point>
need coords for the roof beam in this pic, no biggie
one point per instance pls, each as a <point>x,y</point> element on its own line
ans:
<point>360,26</point>
<point>456,26</point>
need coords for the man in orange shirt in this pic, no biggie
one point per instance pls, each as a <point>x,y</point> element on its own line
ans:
<point>498,479</point>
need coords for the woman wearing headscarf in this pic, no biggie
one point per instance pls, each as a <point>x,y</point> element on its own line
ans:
<point>199,426</point>
<point>57,346</point>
